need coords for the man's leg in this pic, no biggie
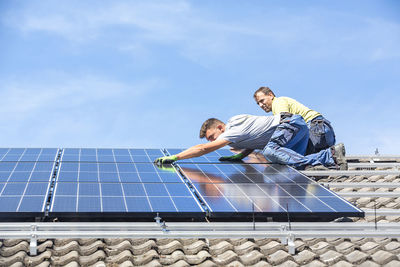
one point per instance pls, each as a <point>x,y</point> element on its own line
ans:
<point>288,144</point>
<point>322,135</point>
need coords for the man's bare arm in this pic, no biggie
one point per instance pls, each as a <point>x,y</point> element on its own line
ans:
<point>202,149</point>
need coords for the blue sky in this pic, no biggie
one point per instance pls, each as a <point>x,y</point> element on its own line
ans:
<point>148,73</point>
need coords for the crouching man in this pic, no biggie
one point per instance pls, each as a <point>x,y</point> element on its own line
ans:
<point>282,138</point>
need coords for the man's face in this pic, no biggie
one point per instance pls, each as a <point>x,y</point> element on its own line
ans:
<point>264,101</point>
<point>213,133</point>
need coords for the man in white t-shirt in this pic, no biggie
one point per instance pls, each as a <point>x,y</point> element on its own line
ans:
<point>282,138</point>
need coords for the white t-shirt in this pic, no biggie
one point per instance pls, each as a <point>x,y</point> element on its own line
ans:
<point>249,132</point>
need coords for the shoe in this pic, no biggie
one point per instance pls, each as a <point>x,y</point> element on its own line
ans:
<point>316,168</point>
<point>339,156</point>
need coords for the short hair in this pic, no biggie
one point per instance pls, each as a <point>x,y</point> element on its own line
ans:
<point>208,124</point>
<point>265,90</point>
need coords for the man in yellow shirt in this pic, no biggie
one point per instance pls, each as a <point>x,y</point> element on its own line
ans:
<point>321,136</point>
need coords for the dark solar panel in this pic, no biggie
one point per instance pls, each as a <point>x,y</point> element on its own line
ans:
<point>271,190</point>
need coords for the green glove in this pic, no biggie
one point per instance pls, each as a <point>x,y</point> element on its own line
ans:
<point>166,160</point>
<point>237,157</point>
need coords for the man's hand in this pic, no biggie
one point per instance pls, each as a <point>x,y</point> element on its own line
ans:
<point>237,157</point>
<point>166,160</point>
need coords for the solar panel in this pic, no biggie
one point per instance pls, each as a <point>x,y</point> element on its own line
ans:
<point>28,154</point>
<point>267,190</point>
<point>134,189</point>
<point>24,185</point>
<point>110,155</point>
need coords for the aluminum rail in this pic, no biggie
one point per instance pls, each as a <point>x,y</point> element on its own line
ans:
<point>351,173</point>
<point>286,232</point>
<point>374,157</point>
<point>374,165</point>
<point>369,194</point>
<point>382,212</point>
<point>361,185</point>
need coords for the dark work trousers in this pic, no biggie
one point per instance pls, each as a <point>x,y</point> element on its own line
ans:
<point>321,134</point>
<point>288,145</point>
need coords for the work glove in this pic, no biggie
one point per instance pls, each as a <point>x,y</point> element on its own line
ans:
<point>237,157</point>
<point>166,160</point>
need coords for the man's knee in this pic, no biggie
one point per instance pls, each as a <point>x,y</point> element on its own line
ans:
<point>271,154</point>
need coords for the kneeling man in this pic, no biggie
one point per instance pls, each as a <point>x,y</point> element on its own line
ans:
<point>282,138</point>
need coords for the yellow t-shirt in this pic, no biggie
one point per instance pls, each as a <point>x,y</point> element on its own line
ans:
<point>287,104</point>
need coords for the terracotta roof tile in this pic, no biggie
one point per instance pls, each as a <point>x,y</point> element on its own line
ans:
<point>225,258</point>
<point>394,263</point>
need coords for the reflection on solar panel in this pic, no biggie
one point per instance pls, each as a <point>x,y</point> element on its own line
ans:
<point>138,189</point>
<point>214,156</point>
<point>24,186</point>
<point>270,190</point>
<point>28,154</point>
<point>111,155</point>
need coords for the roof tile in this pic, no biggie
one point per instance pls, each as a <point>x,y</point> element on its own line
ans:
<point>331,257</point>
<point>393,247</point>
<point>251,258</point>
<point>279,257</point>
<point>220,247</point>
<point>356,257</point>
<point>394,263</point>
<point>245,248</point>
<point>35,260</point>
<point>271,247</point>
<point>207,263</point>
<point>383,257</point>
<point>225,258</point>
<point>288,263</point>
<point>369,264</point>
<point>321,247</point>
<point>171,259</point>
<point>65,259</point>
<point>145,258</point>
<point>345,247</point>
<point>305,257</point>
<point>11,250</point>
<point>199,258</point>
<point>315,263</point>
<point>93,258</point>
<point>342,264</point>
<point>370,247</point>
<point>180,263</point>
<point>195,247</point>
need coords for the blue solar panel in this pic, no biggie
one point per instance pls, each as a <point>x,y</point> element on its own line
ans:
<point>110,155</point>
<point>122,187</point>
<point>25,185</point>
<point>264,189</point>
<point>28,154</point>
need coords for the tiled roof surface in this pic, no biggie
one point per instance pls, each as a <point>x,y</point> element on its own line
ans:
<point>225,252</point>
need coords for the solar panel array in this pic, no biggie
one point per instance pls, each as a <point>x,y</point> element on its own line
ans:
<point>98,183</point>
